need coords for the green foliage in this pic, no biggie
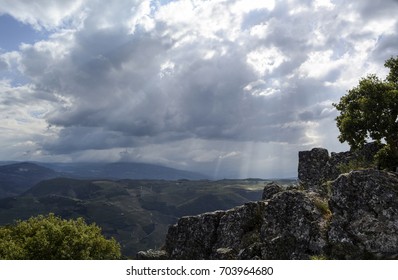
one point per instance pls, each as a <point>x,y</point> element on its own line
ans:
<point>354,164</point>
<point>386,159</point>
<point>370,110</point>
<point>52,238</point>
<point>323,206</point>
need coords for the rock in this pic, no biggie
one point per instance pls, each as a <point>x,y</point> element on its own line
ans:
<point>270,190</point>
<point>240,227</point>
<point>193,237</point>
<point>311,166</point>
<point>332,168</point>
<point>287,226</point>
<point>152,255</point>
<point>216,235</point>
<point>316,167</point>
<point>365,216</point>
<point>224,254</point>
<point>291,227</point>
<point>357,219</point>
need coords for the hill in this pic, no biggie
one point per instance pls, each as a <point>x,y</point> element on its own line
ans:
<point>122,170</point>
<point>18,177</point>
<point>136,212</point>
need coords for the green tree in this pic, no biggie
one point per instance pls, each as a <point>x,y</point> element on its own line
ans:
<point>52,238</point>
<point>370,111</point>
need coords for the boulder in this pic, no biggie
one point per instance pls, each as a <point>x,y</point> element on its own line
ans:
<point>285,226</point>
<point>316,167</point>
<point>365,215</point>
<point>291,228</point>
<point>239,228</point>
<point>193,237</point>
<point>311,167</point>
<point>270,190</point>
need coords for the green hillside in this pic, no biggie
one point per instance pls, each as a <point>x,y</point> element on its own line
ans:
<point>137,213</point>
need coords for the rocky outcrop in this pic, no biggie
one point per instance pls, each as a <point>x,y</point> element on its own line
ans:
<point>287,225</point>
<point>311,166</point>
<point>365,215</point>
<point>270,190</point>
<point>317,167</point>
<point>292,227</point>
<point>193,237</point>
<point>358,220</point>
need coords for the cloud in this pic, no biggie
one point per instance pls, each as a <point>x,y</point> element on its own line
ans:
<point>219,86</point>
<point>47,14</point>
<point>22,125</point>
<point>3,64</point>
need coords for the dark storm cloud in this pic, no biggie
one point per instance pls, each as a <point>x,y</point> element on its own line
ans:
<point>377,9</point>
<point>207,77</point>
<point>115,82</point>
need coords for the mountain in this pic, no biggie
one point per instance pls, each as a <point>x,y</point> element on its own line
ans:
<point>137,213</point>
<point>122,170</point>
<point>18,177</point>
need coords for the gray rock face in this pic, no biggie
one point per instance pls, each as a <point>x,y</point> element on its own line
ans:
<point>365,215</point>
<point>316,166</point>
<point>311,166</point>
<point>213,235</point>
<point>291,227</point>
<point>270,190</point>
<point>287,226</point>
<point>193,237</point>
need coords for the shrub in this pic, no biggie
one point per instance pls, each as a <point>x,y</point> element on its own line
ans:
<point>323,206</point>
<point>354,164</point>
<point>52,238</point>
<point>386,159</point>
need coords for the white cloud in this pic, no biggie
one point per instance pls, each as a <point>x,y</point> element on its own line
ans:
<point>224,87</point>
<point>320,63</point>
<point>248,6</point>
<point>326,4</point>
<point>23,122</point>
<point>142,16</point>
<point>259,30</point>
<point>265,60</point>
<point>45,14</point>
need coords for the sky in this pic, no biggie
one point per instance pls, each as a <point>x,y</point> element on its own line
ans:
<point>229,88</point>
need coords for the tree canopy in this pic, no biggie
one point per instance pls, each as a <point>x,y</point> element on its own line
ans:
<point>370,111</point>
<point>52,238</point>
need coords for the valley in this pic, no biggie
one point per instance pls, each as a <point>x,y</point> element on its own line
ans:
<point>136,212</point>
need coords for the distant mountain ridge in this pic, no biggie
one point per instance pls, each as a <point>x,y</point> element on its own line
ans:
<point>16,178</point>
<point>123,170</point>
<point>136,212</point>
